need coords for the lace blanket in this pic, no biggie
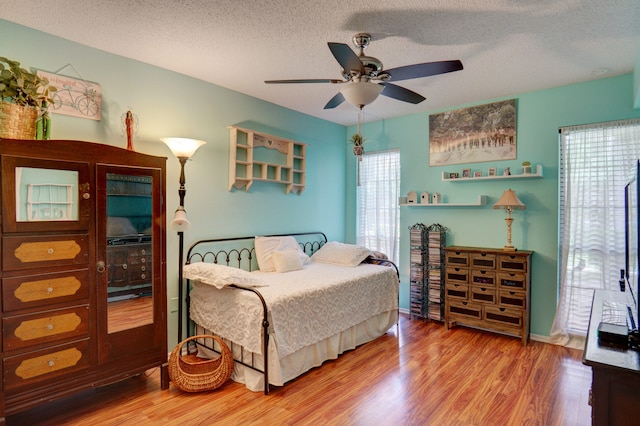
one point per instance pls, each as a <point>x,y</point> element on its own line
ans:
<point>305,306</point>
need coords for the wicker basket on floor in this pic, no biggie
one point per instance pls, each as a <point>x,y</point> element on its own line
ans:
<point>17,122</point>
<point>190,373</point>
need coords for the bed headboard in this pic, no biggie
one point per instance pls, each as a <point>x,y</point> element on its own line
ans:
<point>240,252</point>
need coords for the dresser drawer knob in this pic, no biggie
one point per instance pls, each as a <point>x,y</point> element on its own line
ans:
<point>51,363</point>
<point>49,290</point>
<point>49,326</point>
<point>144,260</point>
<point>143,268</point>
<point>125,266</point>
<point>50,250</point>
<point>143,251</point>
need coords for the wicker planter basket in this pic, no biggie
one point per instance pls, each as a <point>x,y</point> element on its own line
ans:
<point>17,122</point>
<point>192,374</point>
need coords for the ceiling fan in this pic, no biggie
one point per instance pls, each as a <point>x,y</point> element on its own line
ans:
<point>360,71</point>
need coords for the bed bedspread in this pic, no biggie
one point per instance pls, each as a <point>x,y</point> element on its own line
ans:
<point>305,306</point>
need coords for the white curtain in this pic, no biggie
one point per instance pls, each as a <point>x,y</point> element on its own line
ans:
<point>596,161</point>
<point>378,226</point>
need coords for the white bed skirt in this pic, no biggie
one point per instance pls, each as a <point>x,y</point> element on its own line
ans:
<point>304,359</point>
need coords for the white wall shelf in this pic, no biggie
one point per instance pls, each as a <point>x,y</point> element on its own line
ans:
<point>537,174</point>
<point>482,200</point>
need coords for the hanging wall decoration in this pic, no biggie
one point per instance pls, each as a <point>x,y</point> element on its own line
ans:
<point>472,135</point>
<point>75,97</point>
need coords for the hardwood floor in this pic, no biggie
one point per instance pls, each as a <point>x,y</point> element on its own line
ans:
<point>417,374</point>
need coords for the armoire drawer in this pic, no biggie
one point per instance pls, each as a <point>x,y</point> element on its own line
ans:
<point>457,275</point>
<point>483,260</point>
<point>45,327</point>
<point>483,294</point>
<point>463,310</point>
<point>512,281</point>
<point>483,277</point>
<point>504,317</point>
<point>457,258</point>
<point>19,253</point>
<point>50,363</point>
<point>512,299</point>
<point>457,291</point>
<point>41,290</point>
<point>514,263</point>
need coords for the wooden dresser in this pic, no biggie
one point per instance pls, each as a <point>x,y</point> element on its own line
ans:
<point>58,321</point>
<point>489,289</point>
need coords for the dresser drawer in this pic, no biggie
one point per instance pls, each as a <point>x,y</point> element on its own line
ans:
<point>457,258</point>
<point>504,317</point>
<point>483,278</point>
<point>483,294</point>
<point>457,291</point>
<point>44,327</point>
<point>457,275</point>
<point>38,252</point>
<point>513,263</point>
<point>45,289</point>
<point>483,260</point>
<point>512,299</point>
<point>48,364</point>
<point>463,310</point>
<point>512,281</point>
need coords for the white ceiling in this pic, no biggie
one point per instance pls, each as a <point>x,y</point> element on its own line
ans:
<point>507,47</point>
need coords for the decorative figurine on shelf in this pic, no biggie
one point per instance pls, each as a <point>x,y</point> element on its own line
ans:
<point>507,171</point>
<point>437,198</point>
<point>425,198</point>
<point>412,197</point>
<point>130,126</point>
<point>526,167</point>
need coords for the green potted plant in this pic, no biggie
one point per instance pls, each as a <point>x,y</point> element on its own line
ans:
<point>358,141</point>
<point>23,96</point>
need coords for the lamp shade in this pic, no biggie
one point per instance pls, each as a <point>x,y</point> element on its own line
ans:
<point>509,199</point>
<point>183,147</point>
<point>180,223</point>
<point>361,93</point>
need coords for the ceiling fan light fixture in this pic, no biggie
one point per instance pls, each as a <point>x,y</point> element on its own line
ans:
<point>361,93</point>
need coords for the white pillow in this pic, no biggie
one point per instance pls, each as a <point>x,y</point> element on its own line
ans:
<point>220,276</point>
<point>267,246</point>
<point>287,260</point>
<point>341,254</point>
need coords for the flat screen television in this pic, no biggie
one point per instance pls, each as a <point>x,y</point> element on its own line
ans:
<point>632,252</point>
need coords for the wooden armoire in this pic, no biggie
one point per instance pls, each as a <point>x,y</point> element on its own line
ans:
<point>83,268</point>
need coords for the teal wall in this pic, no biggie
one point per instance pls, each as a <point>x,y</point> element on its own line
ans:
<point>169,104</point>
<point>540,115</point>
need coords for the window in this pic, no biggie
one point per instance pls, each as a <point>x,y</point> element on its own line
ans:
<point>378,221</point>
<point>596,161</point>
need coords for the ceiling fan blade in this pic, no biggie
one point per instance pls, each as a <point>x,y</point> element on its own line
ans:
<point>335,101</point>
<point>401,94</point>
<point>424,70</point>
<point>307,80</point>
<point>346,57</point>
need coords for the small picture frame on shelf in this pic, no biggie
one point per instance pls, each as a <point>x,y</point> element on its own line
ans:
<point>507,171</point>
<point>453,175</point>
<point>492,171</point>
<point>466,173</point>
<point>477,174</point>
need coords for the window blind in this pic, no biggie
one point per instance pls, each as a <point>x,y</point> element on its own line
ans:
<point>378,213</point>
<point>596,161</point>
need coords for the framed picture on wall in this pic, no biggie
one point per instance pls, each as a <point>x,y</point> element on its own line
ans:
<point>473,135</point>
<point>492,171</point>
<point>466,173</point>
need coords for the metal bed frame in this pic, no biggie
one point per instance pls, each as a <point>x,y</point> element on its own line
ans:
<point>243,257</point>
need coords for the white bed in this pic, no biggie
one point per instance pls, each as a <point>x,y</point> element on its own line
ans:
<point>315,312</point>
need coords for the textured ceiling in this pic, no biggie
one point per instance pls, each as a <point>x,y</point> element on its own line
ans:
<point>507,46</point>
